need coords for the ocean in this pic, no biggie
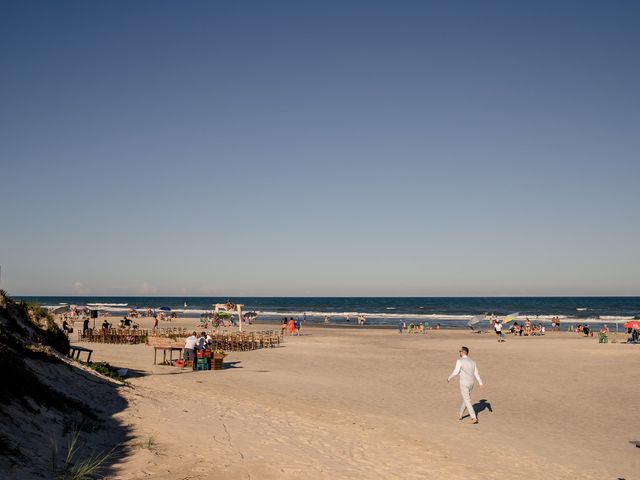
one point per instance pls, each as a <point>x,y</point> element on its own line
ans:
<point>448,311</point>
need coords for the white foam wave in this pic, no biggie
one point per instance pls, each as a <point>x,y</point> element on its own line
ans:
<point>123,308</point>
<point>107,304</point>
<point>366,315</point>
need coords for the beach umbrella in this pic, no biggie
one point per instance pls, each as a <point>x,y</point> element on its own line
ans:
<point>632,324</point>
<point>165,309</point>
<point>510,317</point>
<point>60,309</point>
<point>474,321</point>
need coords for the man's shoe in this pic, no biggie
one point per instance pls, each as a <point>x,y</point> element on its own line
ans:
<point>474,421</point>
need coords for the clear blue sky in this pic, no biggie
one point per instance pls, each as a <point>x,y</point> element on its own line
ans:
<point>320,148</point>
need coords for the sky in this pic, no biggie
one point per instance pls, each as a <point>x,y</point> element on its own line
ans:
<point>338,148</point>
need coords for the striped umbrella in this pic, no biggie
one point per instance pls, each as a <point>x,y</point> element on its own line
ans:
<point>510,317</point>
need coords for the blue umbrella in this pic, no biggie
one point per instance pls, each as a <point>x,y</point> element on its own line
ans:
<point>165,309</point>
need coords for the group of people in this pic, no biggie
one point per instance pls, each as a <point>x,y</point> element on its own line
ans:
<point>195,342</point>
<point>527,329</point>
<point>290,326</point>
<point>420,327</point>
<point>585,330</point>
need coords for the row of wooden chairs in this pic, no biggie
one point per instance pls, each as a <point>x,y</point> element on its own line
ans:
<point>241,341</point>
<point>226,341</point>
<point>114,335</point>
<point>172,332</point>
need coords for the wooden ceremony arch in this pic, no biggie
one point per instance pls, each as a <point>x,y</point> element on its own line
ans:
<point>225,308</point>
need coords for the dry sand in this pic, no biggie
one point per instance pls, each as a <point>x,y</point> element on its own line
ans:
<point>371,403</point>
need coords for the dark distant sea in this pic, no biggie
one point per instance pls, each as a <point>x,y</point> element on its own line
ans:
<point>448,311</point>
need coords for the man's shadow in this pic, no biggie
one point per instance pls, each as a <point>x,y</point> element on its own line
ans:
<point>481,406</point>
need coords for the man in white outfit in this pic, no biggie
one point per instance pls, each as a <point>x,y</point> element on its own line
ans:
<point>468,372</point>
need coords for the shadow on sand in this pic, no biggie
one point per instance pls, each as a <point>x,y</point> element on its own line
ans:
<point>480,407</point>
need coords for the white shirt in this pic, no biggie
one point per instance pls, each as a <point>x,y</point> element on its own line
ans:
<point>468,371</point>
<point>498,326</point>
<point>191,342</point>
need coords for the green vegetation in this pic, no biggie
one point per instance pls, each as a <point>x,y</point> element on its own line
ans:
<point>72,468</point>
<point>105,369</point>
<point>50,333</point>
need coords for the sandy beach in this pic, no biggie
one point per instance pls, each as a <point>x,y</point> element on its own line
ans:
<point>371,403</point>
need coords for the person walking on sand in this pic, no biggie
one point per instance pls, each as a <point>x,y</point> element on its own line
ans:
<point>497,326</point>
<point>467,370</point>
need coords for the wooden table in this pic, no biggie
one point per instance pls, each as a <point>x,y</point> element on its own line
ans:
<point>74,350</point>
<point>164,353</point>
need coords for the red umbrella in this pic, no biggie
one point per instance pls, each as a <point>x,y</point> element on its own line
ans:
<point>633,324</point>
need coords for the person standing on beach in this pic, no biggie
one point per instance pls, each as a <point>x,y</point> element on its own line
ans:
<point>467,370</point>
<point>190,346</point>
<point>498,328</point>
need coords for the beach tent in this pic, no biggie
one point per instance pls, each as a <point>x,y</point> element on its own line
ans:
<point>510,317</point>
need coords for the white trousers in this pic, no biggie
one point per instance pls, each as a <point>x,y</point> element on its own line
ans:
<point>465,391</point>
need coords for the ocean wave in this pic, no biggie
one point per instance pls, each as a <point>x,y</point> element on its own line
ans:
<point>377,317</point>
<point>425,316</point>
<point>107,304</point>
<point>364,314</point>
